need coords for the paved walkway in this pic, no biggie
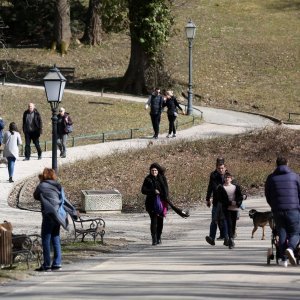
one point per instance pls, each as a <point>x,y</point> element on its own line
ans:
<point>184,267</point>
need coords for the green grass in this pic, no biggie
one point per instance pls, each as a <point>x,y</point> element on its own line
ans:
<point>91,115</point>
<point>245,55</point>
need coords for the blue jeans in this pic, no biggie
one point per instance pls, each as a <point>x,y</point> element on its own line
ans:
<point>214,225</point>
<point>50,235</point>
<point>288,227</point>
<point>11,165</point>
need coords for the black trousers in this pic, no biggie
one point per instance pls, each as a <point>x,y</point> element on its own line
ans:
<point>172,127</point>
<point>231,217</point>
<point>34,137</point>
<point>156,225</point>
<point>155,119</point>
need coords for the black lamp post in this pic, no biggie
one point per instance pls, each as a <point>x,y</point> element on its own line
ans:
<point>190,30</point>
<point>54,83</point>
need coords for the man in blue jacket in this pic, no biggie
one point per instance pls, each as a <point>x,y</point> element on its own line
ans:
<point>282,190</point>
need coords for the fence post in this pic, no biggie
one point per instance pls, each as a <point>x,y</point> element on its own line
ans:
<point>103,137</point>
<point>73,141</point>
<point>131,133</point>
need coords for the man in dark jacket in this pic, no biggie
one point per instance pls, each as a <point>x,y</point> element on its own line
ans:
<point>216,178</point>
<point>155,102</point>
<point>32,128</point>
<point>282,190</point>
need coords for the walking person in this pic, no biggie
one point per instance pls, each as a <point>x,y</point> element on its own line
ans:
<point>172,104</point>
<point>155,184</point>
<point>51,195</point>
<point>32,128</point>
<point>2,125</point>
<point>282,190</point>
<point>230,197</point>
<point>64,122</point>
<point>216,178</point>
<point>11,140</point>
<point>155,102</point>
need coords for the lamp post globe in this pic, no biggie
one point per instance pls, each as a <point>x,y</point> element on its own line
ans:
<point>54,84</point>
<point>190,30</point>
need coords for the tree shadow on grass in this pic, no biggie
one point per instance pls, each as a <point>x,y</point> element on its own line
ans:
<point>284,5</point>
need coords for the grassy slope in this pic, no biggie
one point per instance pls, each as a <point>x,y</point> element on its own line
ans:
<point>249,157</point>
<point>245,55</point>
<point>245,52</point>
<point>91,115</point>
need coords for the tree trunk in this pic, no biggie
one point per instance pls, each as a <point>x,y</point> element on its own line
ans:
<point>93,25</point>
<point>62,26</point>
<point>134,79</point>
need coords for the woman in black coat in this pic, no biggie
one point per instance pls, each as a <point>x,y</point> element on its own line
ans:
<point>156,184</point>
<point>172,104</point>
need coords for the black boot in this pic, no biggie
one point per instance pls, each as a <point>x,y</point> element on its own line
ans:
<point>154,240</point>
<point>158,240</point>
<point>231,243</point>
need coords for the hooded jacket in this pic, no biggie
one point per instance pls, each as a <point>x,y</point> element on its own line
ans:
<point>49,193</point>
<point>282,189</point>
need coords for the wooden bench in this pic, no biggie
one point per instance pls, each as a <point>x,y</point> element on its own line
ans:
<point>27,248</point>
<point>67,72</point>
<point>89,227</point>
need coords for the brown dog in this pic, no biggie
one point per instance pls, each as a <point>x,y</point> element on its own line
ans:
<point>261,219</point>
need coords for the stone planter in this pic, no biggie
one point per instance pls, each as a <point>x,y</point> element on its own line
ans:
<point>95,201</point>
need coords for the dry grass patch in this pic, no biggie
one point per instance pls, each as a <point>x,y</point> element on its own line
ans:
<point>249,157</point>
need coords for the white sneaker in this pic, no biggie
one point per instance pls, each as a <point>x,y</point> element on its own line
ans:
<point>174,135</point>
<point>290,254</point>
<point>283,263</point>
<point>169,135</point>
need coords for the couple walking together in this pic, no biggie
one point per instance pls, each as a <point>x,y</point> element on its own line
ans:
<point>226,201</point>
<point>157,102</point>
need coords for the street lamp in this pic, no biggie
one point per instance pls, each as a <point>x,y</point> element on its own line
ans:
<point>54,83</point>
<point>190,30</point>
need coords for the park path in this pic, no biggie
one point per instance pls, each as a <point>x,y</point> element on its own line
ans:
<point>183,267</point>
<point>217,122</point>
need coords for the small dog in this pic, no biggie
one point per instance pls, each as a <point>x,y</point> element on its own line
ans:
<point>261,219</point>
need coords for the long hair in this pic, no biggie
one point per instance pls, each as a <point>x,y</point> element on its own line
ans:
<point>48,174</point>
<point>12,127</point>
<point>161,170</point>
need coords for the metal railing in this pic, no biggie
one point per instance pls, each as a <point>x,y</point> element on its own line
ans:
<point>114,135</point>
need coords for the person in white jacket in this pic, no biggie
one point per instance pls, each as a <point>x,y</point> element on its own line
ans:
<point>11,140</point>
